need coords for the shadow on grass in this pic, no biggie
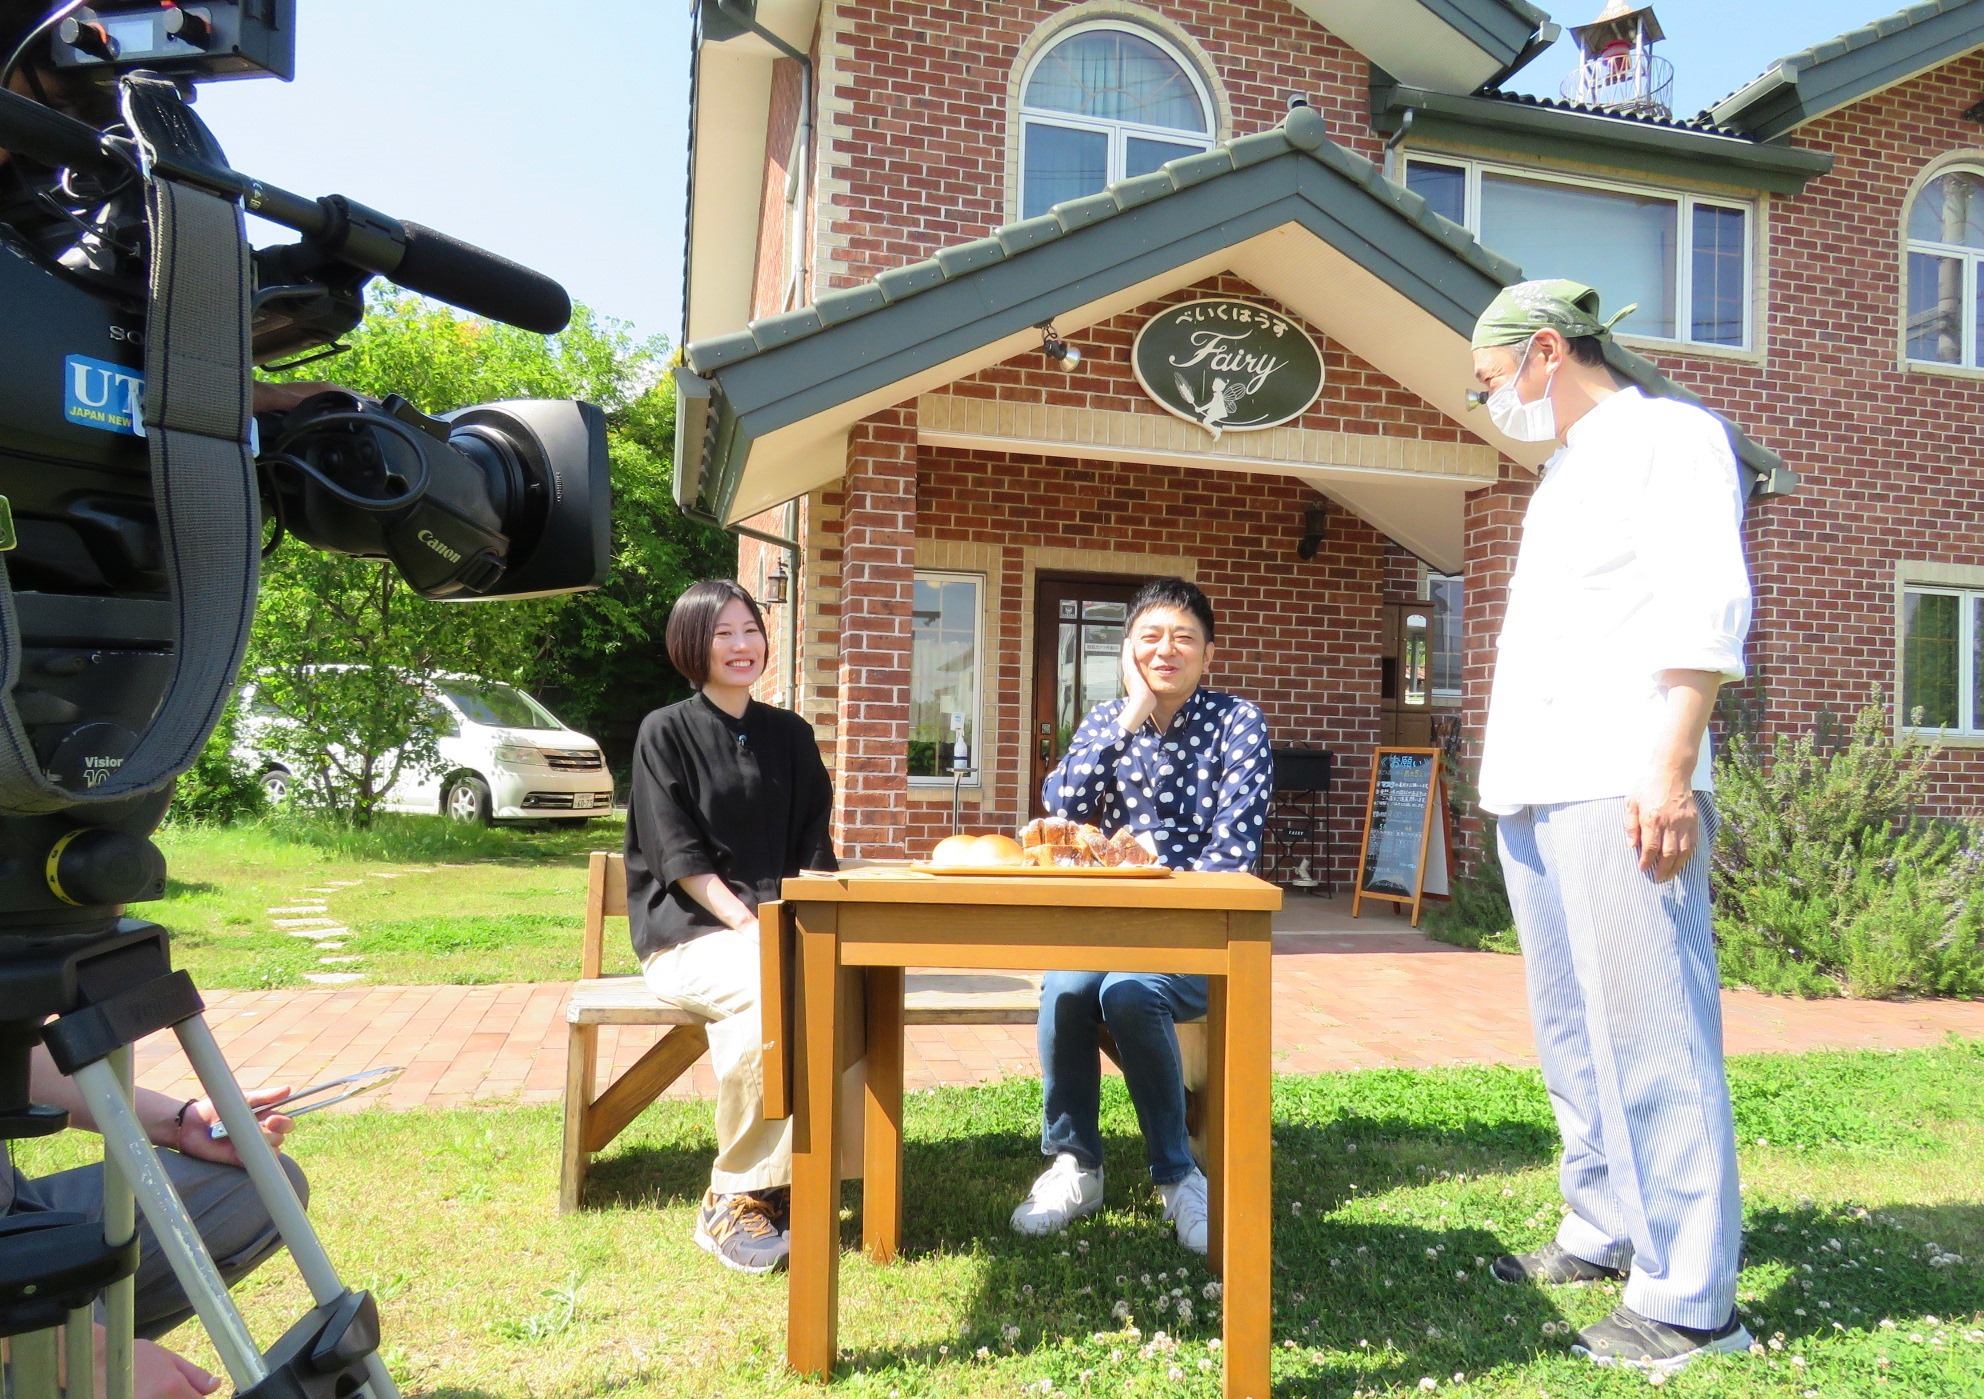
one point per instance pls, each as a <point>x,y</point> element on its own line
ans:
<point>1828,1266</point>
<point>187,888</point>
<point>645,1176</point>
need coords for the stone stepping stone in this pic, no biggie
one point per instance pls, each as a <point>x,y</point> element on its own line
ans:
<point>328,946</point>
<point>333,978</point>
<point>382,874</point>
<point>298,908</point>
<point>288,923</point>
<point>344,883</point>
<point>319,934</point>
<point>335,961</point>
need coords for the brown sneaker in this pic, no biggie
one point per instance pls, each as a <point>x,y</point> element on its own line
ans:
<point>741,1231</point>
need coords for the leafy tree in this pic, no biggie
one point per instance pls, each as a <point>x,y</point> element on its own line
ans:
<point>351,731</point>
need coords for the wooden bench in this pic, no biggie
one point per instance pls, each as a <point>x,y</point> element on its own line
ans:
<point>593,1120</point>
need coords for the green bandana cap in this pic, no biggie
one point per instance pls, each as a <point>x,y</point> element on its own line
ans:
<point>1518,312</point>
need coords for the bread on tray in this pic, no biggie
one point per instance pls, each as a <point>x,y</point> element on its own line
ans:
<point>1055,840</point>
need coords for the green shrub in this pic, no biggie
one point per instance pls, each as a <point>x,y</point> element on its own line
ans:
<point>1478,915</point>
<point>1826,879</point>
<point>219,789</point>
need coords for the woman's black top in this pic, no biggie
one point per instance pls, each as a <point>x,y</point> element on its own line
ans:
<point>747,799</point>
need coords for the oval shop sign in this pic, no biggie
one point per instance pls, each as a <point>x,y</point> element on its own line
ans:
<point>1227,365</point>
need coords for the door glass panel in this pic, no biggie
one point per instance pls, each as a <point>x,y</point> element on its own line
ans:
<point>1070,609</point>
<point>1089,673</point>
<point>1929,660</point>
<point>1104,611</point>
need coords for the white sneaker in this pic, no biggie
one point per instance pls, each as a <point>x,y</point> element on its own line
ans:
<point>1185,1206</point>
<point>1065,1192</point>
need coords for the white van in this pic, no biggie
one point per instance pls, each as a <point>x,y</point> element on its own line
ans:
<point>504,757</point>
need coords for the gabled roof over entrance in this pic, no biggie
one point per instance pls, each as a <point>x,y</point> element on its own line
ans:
<point>763,413</point>
<point>1806,85</point>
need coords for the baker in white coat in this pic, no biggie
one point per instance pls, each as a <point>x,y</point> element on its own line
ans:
<point>1627,610</point>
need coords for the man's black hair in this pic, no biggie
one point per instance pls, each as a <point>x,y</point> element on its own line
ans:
<point>1587,350</point>
<point>1171,592</point>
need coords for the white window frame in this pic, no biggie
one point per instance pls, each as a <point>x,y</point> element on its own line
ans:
<point>1120,133</point>
<point>1444,699</point>
<point>977,712</point>
<point>1684,273</point>
<point>1968,356</point>
<point>1967,705</point>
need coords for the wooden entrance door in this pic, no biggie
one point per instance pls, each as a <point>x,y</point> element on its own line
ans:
<point>1077,646</point>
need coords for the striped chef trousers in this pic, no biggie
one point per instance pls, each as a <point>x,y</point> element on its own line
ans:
<point>1625,1000</point>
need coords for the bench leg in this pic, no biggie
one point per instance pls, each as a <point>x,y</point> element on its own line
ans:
<point>666,1060</point>
<point>581,1055</point>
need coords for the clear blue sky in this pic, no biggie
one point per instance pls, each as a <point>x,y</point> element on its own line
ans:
<point>562,145</point>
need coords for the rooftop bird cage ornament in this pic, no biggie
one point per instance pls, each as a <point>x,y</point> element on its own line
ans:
<point>1618,70</point>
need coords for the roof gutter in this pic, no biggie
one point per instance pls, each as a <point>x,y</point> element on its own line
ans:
<point>1546,35</point>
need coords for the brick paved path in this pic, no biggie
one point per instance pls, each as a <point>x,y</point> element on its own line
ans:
<point>1341,1001</point>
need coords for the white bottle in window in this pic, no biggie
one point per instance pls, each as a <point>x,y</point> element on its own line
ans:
<point>960,753</point>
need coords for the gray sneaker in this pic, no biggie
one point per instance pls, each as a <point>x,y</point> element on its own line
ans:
<point>1552,1265</point>
<point>1627,1338</point>
<point>742,1230</point>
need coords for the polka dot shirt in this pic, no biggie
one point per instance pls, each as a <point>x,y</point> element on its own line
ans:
<point>1201,788</point>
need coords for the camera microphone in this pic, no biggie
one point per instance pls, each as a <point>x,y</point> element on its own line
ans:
<point>464,275</point>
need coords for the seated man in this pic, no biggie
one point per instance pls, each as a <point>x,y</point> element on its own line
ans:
<point>207,1174</point>
<point>1189,771</point>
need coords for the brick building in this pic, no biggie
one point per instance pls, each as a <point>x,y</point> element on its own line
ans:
<point>906,215</point>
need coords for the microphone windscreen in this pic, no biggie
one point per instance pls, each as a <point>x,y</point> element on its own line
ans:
<point>464,275</point>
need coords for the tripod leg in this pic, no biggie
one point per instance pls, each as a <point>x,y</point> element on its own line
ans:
<point>34,1365</point>
<point>120,1221</point>
<point>203,1053</point>
<point>137,1161</point>
<point>79,1337</point>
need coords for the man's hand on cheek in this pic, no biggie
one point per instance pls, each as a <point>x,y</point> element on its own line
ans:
<point>1138,701</point>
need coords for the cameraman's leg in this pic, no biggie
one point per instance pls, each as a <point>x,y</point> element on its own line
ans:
<point>231,1219</point>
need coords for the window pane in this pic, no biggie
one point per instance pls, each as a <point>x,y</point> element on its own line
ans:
<point>1623,244</point>
<point>1061,164</point>
<point>1445,591</point>
<point>1950,209</point>
<point>1935,308</point>
<point>1105,611</point>
<point>1109,73</point>
<point>943,674</point>
<point>1975,719</point>
<point>1717,312</point>
<point>1929,660</point>
<point>1443,187</point>
<point>1144,156</point>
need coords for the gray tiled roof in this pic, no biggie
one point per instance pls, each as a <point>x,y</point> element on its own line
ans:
<point>1303,131</point>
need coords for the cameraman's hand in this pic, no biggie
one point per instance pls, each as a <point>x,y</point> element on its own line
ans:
<point>156,1373</point>
<point>281,398</point>
<point>194,1137</point>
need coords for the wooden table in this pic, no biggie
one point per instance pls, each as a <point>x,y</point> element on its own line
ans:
<point>835,950</point>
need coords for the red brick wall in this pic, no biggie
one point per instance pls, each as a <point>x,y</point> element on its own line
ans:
<point>923,143</point>
<point>1889,458</point>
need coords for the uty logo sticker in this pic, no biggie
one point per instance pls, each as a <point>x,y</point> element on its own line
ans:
<point>101,395</point>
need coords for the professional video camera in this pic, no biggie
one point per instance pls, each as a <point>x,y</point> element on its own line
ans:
<point>133,512</point>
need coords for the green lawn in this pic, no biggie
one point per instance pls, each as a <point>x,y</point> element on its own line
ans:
<point>424,900</point>
<point>1393,1188</point>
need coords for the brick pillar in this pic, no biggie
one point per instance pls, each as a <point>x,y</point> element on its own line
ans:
<point>878,556</point>
<point>1494,529</point>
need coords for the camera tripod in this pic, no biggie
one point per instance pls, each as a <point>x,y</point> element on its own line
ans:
<point>106,990</point>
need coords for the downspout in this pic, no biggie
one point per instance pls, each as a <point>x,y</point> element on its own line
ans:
<point>796,181</point>
<point>1393,141</point>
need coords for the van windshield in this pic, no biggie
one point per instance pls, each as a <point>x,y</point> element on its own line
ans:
<point>498,705</point>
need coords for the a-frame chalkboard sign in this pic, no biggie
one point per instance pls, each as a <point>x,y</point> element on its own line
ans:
<point>1401,858</point>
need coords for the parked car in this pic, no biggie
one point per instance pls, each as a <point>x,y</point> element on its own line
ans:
<point>504,757</point>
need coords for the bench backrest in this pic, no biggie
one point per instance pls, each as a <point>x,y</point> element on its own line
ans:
<point>606,897</point>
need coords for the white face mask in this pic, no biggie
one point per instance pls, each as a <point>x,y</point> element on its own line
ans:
<point>1525,422</point>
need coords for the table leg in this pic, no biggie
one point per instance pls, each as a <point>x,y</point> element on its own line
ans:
<point>881,1189</point>
<point>1214,1112</point>
<point>813,1322</point>
<point>1247,1278</point>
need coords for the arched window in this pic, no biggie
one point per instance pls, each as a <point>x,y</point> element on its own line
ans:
<point>1945,246</point>
<point>1105,102</point>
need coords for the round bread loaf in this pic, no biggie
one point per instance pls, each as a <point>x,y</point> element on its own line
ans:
<point>956,850</point>
<point>996,849</point>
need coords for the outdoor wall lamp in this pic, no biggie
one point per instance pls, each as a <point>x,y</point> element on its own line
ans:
<point>775,583</point>
<point>1315,524</point>
<point>1057,350</point>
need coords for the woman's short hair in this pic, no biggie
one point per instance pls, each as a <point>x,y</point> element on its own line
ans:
<point>1174,593</point>
<point>692,625</point>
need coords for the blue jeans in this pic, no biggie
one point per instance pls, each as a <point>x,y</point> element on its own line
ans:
<point>1140,1010</point>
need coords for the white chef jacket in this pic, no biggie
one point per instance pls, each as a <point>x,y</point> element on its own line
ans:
<point>1631,563</point>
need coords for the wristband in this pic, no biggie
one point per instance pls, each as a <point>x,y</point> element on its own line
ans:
<point>179,1118</point>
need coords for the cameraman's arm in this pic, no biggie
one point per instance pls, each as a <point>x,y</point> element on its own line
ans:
<point>164,1124</point>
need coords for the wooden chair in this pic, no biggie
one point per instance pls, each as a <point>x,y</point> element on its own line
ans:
<point>592,1120</point>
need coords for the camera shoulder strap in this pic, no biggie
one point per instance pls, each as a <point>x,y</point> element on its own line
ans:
<point>196,410</point>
